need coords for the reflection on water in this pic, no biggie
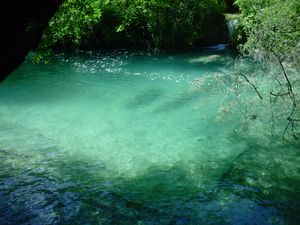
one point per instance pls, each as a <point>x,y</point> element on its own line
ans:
<point>128,138</point>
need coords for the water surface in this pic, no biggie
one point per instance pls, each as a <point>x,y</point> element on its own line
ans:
<point>134,138</point>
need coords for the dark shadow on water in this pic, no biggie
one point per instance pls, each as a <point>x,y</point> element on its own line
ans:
<point>267,172</point>
<point>69,191</point>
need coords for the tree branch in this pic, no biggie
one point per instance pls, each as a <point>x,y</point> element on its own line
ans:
<point>253,85</point>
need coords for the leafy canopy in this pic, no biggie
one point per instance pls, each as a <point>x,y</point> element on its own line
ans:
<point>140,23</point>
<point>71,24</point>
<point>272,27</point>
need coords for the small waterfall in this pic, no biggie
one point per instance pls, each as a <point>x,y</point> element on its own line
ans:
<point>231,24</point>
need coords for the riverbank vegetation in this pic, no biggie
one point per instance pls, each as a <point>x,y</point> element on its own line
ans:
<point>98,24</point>
<point>269,35</point>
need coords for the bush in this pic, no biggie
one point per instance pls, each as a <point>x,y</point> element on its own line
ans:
<point>271,27</point>
<point>132,23</point>
<point>272,31</point>
<point>69,27</point>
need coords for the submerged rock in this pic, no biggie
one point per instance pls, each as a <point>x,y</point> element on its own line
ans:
<point>145,98</point>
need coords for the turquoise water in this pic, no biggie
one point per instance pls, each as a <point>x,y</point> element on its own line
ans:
<point>134,138</point>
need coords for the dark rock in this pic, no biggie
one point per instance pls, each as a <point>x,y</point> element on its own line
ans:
<point>21,27</point>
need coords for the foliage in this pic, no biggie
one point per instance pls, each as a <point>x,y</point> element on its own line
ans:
<point>272,27</point>
<point>272,30</point>
<point>139,23</point>
<point>70,26</point>
<point>172,23</point>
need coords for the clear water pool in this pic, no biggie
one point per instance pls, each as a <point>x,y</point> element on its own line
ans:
<point>133,138</point>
